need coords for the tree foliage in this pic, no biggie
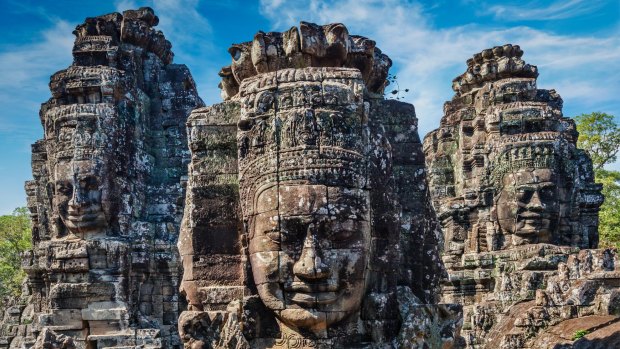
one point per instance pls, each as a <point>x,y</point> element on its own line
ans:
<point>15,238</point>
<point>599,136</point>
<point>609,216</point>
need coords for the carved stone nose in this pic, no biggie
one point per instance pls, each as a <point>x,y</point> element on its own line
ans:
<point>77,198</point>
<point>535,204</point>
<point>310,266</point>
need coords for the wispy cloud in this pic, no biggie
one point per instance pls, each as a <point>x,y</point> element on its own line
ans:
<point>25,69</point>
<point>582,68</point>
<point>534,11</point>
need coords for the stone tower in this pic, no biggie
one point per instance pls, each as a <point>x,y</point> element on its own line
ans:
<point>307,218</point>
<point>106,198</point>
<point>519,208</point>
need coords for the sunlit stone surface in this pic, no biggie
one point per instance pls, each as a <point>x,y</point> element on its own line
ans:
<point>106,198</point>
<point>519,210</point>
<point>307,221</point>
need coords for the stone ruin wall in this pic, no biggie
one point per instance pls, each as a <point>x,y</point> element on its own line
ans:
<point>304,117</point>
<point>519,210</point>
<point>107,196</point>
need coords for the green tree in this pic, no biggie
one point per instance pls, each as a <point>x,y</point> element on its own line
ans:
<point>15,238</point>
<point>609,216</point>
<point>599,136</point>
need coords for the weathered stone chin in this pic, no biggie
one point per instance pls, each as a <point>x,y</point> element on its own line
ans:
<point>89,219</point>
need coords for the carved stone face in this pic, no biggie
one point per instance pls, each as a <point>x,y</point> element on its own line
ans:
<point>78,196</point>
<point>308,249</point>
<point>529,204</point>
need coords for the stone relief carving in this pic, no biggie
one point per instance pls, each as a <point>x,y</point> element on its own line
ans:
<point>307,219</point>
<point>308,45</point>
<point>305,184</point>
<point>106,194</point>
<point>517,201</point>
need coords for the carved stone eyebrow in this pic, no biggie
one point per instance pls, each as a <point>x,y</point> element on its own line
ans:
<point>546,185</point>
<point>530,187</point>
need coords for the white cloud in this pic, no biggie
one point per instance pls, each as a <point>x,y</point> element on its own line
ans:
<point>428,58</point>
<point>25,68</point>
<point>532,11</point>
<point>123,5</point>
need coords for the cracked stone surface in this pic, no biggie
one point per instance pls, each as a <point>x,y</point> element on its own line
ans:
<point>304,210</point>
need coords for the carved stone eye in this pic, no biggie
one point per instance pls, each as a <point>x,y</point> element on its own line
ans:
<point>245,124</point>
<point>64,188</point>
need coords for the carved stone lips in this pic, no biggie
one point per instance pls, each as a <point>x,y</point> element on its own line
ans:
<point>530,216</point>
<point>312,288</point>
<point>92,215</point>
<point>313,294</point>
<point>313,298</point>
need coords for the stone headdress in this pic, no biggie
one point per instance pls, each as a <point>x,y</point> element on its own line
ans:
<point>304,128</point>
<point>499,122</point>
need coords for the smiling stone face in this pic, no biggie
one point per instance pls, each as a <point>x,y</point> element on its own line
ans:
<point>308,249</point>
<point>304,194</point>
<point>78,198</point>
<point>80,143</point>
<point>529,204</point>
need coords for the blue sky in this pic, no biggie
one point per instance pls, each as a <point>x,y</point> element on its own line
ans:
<point>575,44</point>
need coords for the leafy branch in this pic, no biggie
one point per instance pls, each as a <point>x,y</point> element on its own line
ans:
<point>395,93</point>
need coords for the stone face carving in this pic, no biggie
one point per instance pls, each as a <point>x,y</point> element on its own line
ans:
<point>307,221</point>
<point>308,212</point>
<point>504,169</point>
<point>528,204</point>
<point>84,201</point>
<point>106,199</point>
<point>517,201</point>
